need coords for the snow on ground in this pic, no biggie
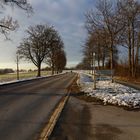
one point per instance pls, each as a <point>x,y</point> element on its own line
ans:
<point>85,81</point>
<point>27,79</point>
<point>16,81</point>
<point>112,93</point>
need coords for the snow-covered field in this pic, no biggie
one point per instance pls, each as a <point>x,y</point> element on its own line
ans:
<point>112,93</point>
<point>16,81</point>
<point>27,79</point>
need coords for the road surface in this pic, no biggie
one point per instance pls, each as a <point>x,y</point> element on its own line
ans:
<point>82,120</point>
<point>25,107</point>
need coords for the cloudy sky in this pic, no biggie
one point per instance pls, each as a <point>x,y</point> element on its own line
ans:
<point>67,16</point>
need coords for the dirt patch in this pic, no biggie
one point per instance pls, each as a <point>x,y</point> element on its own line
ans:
<point>76,92</point>
<point>131,109</point>
<point>85,97</point>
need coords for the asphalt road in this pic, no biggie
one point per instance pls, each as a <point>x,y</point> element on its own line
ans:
<point>25,107</point>
<point>82,120</point>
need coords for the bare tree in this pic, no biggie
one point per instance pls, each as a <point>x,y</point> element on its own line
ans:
<point>106,18</point>
<point>96,43</point>
<point>23,4</point>
<point>55,47</point>
<point>60,61</point>
<point>7,24</point>
<point>130,10</point>
<point>84,64</point>
<point>137,55</point>
<point>116,24</point>
<point>37,45</point>
<point>17,63</point>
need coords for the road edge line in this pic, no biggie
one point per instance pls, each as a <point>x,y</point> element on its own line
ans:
<point>53,119</point>
<point>45,134</point>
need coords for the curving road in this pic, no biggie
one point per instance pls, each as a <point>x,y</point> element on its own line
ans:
<point>25,107</point>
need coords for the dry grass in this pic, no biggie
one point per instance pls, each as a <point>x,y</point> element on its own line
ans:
<point>128,79</point>
<point>13,76</point>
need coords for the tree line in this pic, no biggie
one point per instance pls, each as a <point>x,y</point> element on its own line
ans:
<point>112,25</point>
<point>43,44</point>
<point>5,71</point>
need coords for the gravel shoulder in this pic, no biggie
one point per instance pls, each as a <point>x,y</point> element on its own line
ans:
<point>84,119</point>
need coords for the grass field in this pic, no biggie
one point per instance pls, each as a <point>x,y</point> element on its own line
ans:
<point>13,76</point>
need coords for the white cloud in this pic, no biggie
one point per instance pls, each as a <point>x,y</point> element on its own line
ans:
<point>66,15</point>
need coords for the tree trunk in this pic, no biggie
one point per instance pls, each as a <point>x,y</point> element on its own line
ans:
<point>39,70</point>
<point>133,51</point>
<point>129,60</point>
<point>17,67</point>
<point>136,60</point>
<point>103,61</point>
<point>92,64</point>
<point>111,62</point>
<point>98,62</point>
<point>92,67</point>
<point>129,51</point>
<point>99,55</point>
<point>52,69</point>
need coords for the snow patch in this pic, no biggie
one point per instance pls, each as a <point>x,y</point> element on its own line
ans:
<point>108,92</point>
<point>28,79</point>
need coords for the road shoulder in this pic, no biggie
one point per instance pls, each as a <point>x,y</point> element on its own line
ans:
<point>89,120</point>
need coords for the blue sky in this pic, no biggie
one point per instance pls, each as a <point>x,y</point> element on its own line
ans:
<point>67,16</point>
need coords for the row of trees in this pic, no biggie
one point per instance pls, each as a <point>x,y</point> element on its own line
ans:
<point>43,44</point>
<point>113,25</point>
<point>5,71</point>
